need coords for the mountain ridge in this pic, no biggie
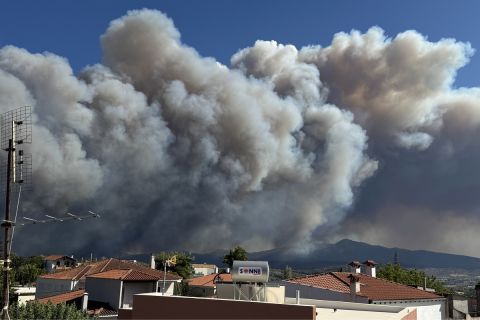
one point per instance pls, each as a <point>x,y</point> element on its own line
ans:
<point>342,252</point>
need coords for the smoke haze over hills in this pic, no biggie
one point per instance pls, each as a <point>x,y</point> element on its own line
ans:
<point>286,146</point>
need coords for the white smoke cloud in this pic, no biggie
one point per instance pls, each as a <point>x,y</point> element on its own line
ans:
<point>179,151</point>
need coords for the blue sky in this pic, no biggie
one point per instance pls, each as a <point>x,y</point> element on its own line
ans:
<point>219,28</point>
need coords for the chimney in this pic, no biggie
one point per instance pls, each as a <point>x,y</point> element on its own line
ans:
<point>354,267</point>
<point>370,269</point>
<point>85,301</point>
<point>477,291</point>
<point>152,261</point>
<point>354,284</point>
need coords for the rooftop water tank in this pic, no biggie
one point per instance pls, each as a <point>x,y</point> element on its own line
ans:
<point>250,271</point>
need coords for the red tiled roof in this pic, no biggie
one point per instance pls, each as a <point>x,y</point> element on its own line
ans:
<point>380,289</point>
<point>325,281</point>
<point>207,281</point>
<point>56,257</point>
<point>64,297</point>
<point>106,265</point>
<point>126,275</point>
<point>373,288</point>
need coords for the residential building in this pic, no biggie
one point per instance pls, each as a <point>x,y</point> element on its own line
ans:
<point>59,262</point>
<point>24,294</point>
<point>117,287</point>
<point>206,286</point>
<point>362,288</point>
<point>111,282</point>
<point>204,269</point>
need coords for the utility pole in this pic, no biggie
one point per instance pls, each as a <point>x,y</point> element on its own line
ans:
<point>7,224</point>
<point>16,128</point>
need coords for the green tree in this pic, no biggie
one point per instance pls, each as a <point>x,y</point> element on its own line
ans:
<point>412,277</point>
<point>237,253</point>
<point>287,272</point>
<point>183,266</point>
<point>26,269</point>
<point>27,273</point>
<point>35,310</point>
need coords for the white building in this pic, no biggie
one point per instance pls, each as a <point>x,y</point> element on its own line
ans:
<point>24,294</point>
<point>112,274</point>
<point>204,269</point>
<point>56,262</point>
<point>363,288</point>
<point>117,287</point>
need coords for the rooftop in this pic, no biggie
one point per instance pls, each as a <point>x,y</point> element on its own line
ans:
<point>56,257</point>
<point>64,297</point>
<point>126,275</point>
<point>106,265</point>
<point>374,289</point>
<point>207,281</point>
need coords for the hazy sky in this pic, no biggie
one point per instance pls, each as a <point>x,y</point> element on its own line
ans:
<point>368,134</point>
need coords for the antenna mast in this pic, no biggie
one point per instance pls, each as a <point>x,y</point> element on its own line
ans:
<point>16,129</point>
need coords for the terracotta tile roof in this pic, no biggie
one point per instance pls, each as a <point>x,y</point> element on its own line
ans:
<point>380,289</point>
<point>56,257</point>
<point>370,263</point>
<point>114,274</point>
<point>355,264</point>
<point>373,288</point>
<point>97,308</point>
<point>105,265</point>
<point>64,297</point>
<point>207,281</point>
<point>126,275</point>
<point>326,281</point>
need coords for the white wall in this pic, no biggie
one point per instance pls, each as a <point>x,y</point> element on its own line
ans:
<point>131,288</point>
<point>104,290</point>
<point>426,309</point>
<point>203,271</point>
<point>169,287</point>
<point>309,292</point>
<point>274,294</point>
<point>51,265</point>
<point>52,287</point>
<point>340,314</point>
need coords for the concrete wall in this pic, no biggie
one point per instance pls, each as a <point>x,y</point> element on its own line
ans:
<point>104,290</point>
<point>201,291</point>
<point>309,292</point>
<point>274,294</point>
<point>457,306</point>
<point>339,310</point>
<point>52,287</point>
<point>426,309</point>
<point>169,287</point>
<point>131,288</point>
<point>155,306</point>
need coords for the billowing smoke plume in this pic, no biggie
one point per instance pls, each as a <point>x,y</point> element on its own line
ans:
<point>179,151</point>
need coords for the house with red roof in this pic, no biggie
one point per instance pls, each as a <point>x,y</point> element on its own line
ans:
<point>111,282</point>
<point>368,289</point>
<point>206,286</point>
<point>57,261</point>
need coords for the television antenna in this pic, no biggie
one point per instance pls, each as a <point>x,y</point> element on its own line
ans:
<point>15,130</point>
<point>70,216</point>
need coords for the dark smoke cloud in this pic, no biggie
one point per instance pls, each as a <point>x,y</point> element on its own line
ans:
<point>179,151</point>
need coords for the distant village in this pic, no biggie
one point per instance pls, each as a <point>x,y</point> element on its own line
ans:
<point>172,286</point>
